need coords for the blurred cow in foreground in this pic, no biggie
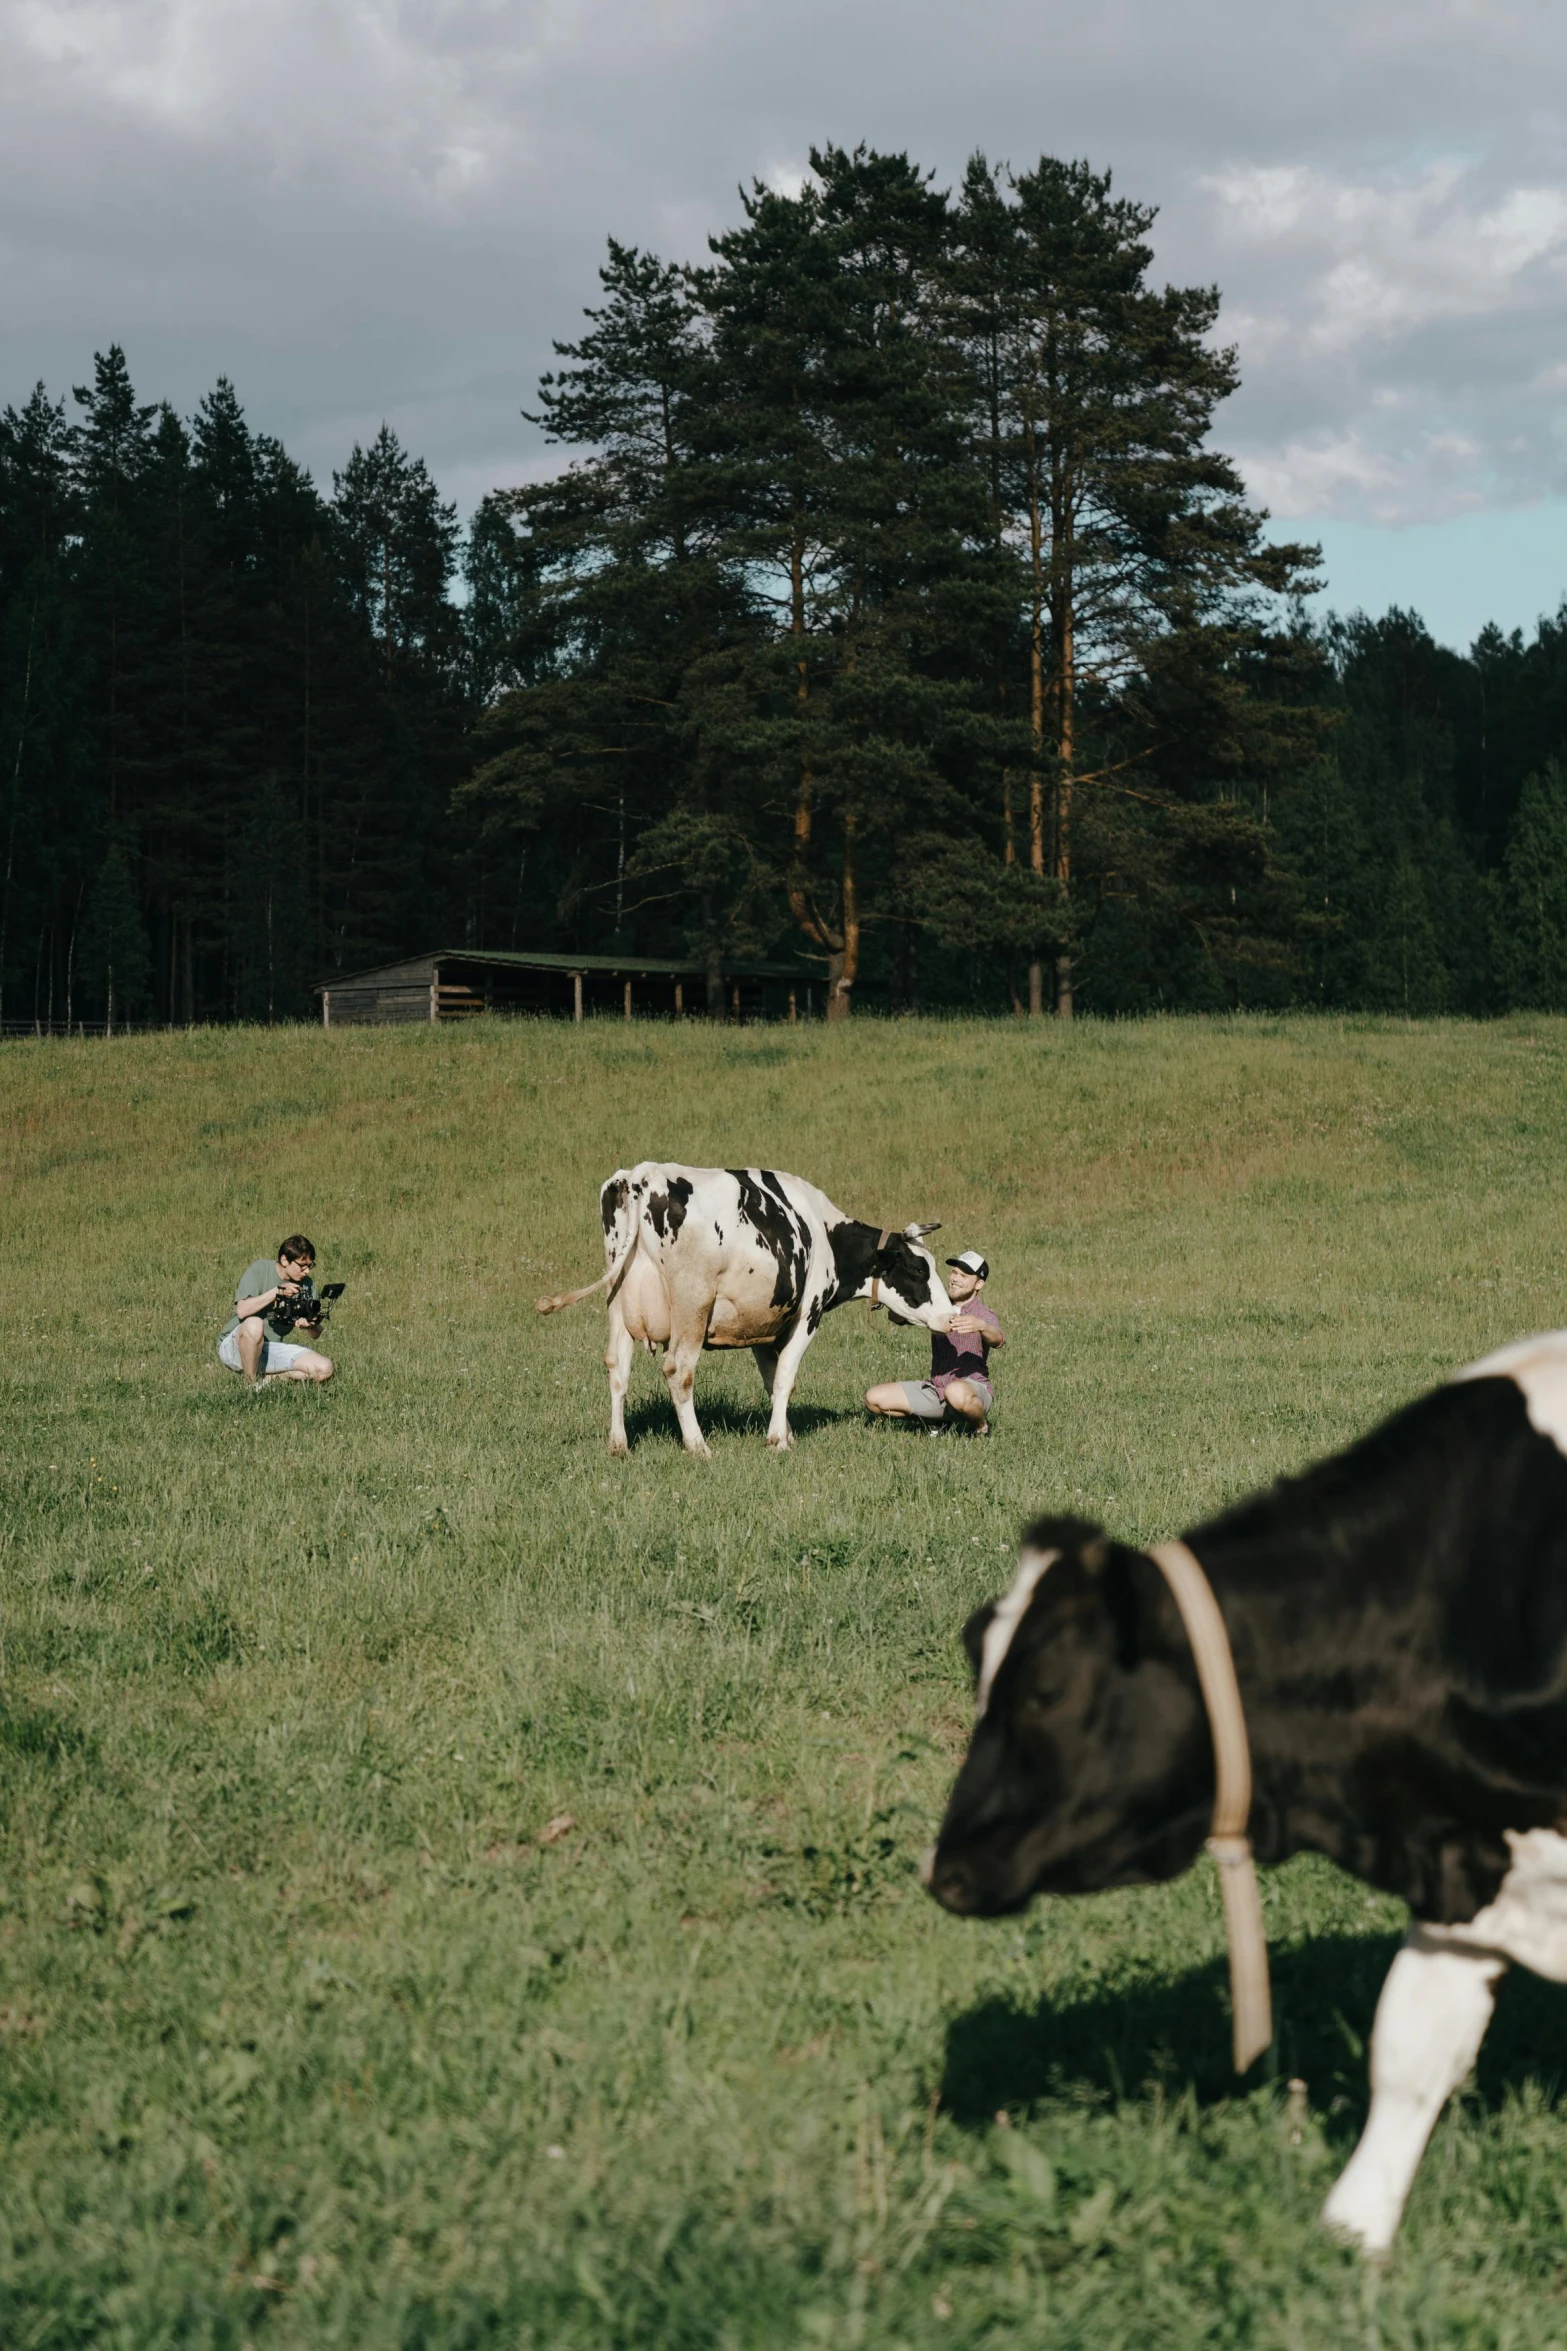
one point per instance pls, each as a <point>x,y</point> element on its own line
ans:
<point>1398,1621</point>
<point>740,1257</point>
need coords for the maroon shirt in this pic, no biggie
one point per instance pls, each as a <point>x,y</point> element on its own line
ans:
<point>963,1355</point>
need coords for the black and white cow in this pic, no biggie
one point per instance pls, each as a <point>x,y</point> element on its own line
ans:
<point>1398,1617</point>
<point>740,1257</point>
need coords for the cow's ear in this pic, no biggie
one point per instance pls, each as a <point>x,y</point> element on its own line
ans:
<point>974,1634</point>
<point>1129,1582</point>
<point>917,1232</point>
<point>1068,1535</point>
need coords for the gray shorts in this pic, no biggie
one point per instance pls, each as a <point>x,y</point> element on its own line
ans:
<point>924,1402</point>
<point>276,1354</point>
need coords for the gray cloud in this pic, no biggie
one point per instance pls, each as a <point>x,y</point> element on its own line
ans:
<point>361,211</point>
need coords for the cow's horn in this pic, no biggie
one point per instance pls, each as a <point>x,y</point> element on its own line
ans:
<point>917,1232</point>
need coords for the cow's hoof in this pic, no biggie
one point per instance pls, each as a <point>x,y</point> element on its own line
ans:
<point>700,1452</point>
<point>618,1447</point>
<point>781,1444</point>
<point>1368,2234</point>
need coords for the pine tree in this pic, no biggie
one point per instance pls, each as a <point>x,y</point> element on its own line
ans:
<point>112,947</point>
<point>1131,528</point>
<point>1404,700</point>
<point>1532,947</point>
<point>42,713</point>
<point>841,464</point>
<point>500,574</point>
<point>606,584</point>
<point>1409,977</point>
<point>396,544</point>
<point>113,449</point>
<point>397,541</point>
<point>628,396</point>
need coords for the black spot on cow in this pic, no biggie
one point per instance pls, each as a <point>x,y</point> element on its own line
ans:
<point>814,1313</point>
<point>905,1270</point>
<point>902,1270</point>
<point>764,1206</point>
<point>612,1200</point>
<point>666,1210</point>
<point>853,1257</point>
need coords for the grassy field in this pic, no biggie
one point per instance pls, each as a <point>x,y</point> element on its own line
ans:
<point>317,2027</point>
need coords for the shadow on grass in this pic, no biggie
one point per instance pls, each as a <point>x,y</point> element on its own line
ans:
<point>1174,2032</point>
<point>720,1416</point>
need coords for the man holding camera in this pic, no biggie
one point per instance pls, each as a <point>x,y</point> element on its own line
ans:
<point>272,1302</point>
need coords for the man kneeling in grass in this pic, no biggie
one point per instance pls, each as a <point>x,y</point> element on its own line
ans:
<point>257,1337</point>
<point>959,1380</point>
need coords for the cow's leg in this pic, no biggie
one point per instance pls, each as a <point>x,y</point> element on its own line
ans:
<point>688,1332</point>
<point>767,1364</point>
<point>1431,2020</point>
<point>784,1377</point>
<point>619,1347</point>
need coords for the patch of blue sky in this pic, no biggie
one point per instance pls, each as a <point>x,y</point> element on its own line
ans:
<point>1507,565</point>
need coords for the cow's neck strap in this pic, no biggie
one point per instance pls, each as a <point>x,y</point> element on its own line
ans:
<point>882,1238</point>
<point>1228,1842</point>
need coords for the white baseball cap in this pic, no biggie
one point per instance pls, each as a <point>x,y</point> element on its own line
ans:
<point>972,1262</point>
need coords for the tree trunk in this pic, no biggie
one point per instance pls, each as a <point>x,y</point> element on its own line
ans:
<point>1066,747</point>
<point>799,904</point>
<point>1036,711</point>
<point>843,967</point>
<point>715,970</point>
<point>70,961</point>
<point>1063,987</point>
<point>16,793</point>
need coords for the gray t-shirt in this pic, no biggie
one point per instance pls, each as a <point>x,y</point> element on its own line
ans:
<point>256,1280</point>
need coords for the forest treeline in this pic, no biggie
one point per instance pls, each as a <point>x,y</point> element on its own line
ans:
<point>891,608</point>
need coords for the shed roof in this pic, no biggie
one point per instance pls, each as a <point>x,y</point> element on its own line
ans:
<point>540,959</point>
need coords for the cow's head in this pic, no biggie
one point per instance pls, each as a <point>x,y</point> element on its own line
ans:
<point>1090,1763</point>
<point>905,1278</point>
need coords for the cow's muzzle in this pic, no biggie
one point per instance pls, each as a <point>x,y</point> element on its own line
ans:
<point>950,1880</point>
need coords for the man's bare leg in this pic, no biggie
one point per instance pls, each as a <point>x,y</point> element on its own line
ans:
<point>888,1401</point>
<point>252,1339</point>
<point>963,1400</point>
<point>312,1367</point>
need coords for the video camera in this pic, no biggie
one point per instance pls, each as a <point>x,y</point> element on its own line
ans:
<point>309,1306</point>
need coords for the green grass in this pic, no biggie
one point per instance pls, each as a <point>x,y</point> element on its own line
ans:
<point>308,2038</point>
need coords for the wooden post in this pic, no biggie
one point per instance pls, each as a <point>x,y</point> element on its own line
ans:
<point>628,999</point>
<point>793,1009</point>
<point>734,1000</point>
<point>326,1008</point>
<point>576,995</point>
<point>680,998</point>
<point>435,993</point>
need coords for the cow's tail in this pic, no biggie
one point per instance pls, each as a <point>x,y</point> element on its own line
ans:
<point>609,1279</point>
<point>610,1274</point>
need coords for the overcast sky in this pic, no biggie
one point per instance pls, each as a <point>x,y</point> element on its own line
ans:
<point>367,211</point>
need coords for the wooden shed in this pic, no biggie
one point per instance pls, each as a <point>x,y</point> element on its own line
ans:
<point>454,983</point>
